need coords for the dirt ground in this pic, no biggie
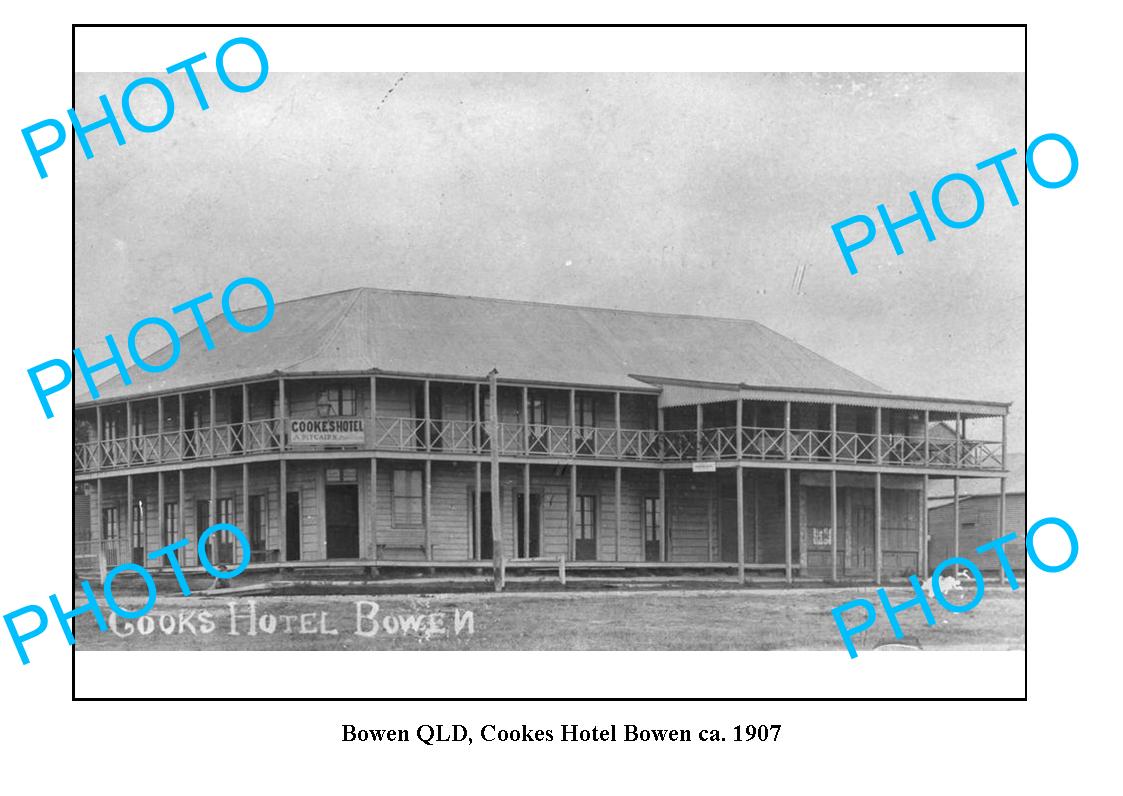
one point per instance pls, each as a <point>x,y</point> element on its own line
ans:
<point>587,619</point>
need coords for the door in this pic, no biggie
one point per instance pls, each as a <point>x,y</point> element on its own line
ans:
<point>342,520</point>
<point>586,530</point>
<point>529,542</point>
<point>861,532</point>
<point>653,529</point>
<point>727,520</point>
<point>486,550</point>
<point>202,522</point>
<point>138,533</point>
<point>292,526</point>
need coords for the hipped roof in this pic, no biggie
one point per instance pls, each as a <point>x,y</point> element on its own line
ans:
<point>369,330</point>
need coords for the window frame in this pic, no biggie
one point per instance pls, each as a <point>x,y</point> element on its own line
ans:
<point>333,400</point>
<point>167,531</point>
<point>399,518</point>
<point>258,532</point>
<point>654,514</point>
<point>110,520</point>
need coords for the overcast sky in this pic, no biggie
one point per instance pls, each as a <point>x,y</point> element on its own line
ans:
<point>697,193</point>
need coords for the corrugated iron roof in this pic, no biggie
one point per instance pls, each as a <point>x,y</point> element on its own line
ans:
<point>374,330</point>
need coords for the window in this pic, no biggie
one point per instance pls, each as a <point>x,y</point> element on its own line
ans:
<point>536,414</point>
<point>138,524</point>
<point>345,475</point>
<point>258,522</point>
<point>226,511</point>
<point>109,520</point>
<point>652,519</point>
<point>821,536</point>
<point>171,523</point>
<point>586,517</point>
<point>586,411</point>
<point>336,402</point>
<point>407,498</point>
<point>109,427</point>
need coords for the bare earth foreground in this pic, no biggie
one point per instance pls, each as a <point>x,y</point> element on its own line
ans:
<point>797,619</point>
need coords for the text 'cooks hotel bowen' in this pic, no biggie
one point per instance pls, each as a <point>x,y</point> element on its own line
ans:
<point>626,440</point>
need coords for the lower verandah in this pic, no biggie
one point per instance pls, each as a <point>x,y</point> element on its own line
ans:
<point>328,515</point>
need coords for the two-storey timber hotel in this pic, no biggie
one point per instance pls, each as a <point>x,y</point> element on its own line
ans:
<point>353,429</point>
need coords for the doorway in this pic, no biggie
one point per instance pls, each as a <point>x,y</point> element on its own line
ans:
<point>292,526</point>
<point>727,520</point>
<point>585,544</point>
<point>486,549</point>
<point>528,541</point>
<point>861,532</point>
<point>202,522</point>
<point>342,520</point>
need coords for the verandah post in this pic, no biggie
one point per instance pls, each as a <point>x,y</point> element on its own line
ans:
<point>428,507</point>
<point>877,526</point>
<point>834,432</point>
<point>787,431</point>
<point>922,550</point>
<point>740,494</point>
<point>664,552</point>
<point>130,444</point>
<point>477,513</point>
<point>927,445</point>
<point>212,508</point>
<point>698,432</point>
<point>99,519</point>
<point>526,509</point>
<point>1001,521</point>
<point>373,440</point>
<point>617,513</point>
<point>955,513</point>
<point>128,520</point>
<point>496,513</point>
<point>160,519</point>
<point>245,527</point>
<point>788,524</point>
<point>182,529</point>
<point>834,524</point>
<point>283,503</point>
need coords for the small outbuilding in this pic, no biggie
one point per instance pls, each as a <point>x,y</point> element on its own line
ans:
<point>958,526</point>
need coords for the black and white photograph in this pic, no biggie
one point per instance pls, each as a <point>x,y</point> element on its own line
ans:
<point>553,361</point>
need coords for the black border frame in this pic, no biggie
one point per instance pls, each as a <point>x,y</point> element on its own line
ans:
<point>75,26</point>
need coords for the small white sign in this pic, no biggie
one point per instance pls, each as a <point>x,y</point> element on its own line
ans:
<point>704,467</point>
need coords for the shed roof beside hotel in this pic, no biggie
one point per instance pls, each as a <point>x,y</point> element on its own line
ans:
<point>941,493</point>
<point>372,330</point>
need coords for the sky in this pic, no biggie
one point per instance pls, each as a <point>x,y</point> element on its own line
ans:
<point>711,194</point>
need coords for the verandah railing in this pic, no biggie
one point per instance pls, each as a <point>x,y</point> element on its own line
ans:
<point>552,441</point>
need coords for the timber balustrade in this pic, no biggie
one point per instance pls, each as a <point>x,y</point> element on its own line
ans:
<point>546,441</point>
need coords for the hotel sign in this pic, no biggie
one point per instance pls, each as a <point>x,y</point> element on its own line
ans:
<point>327,431</point>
